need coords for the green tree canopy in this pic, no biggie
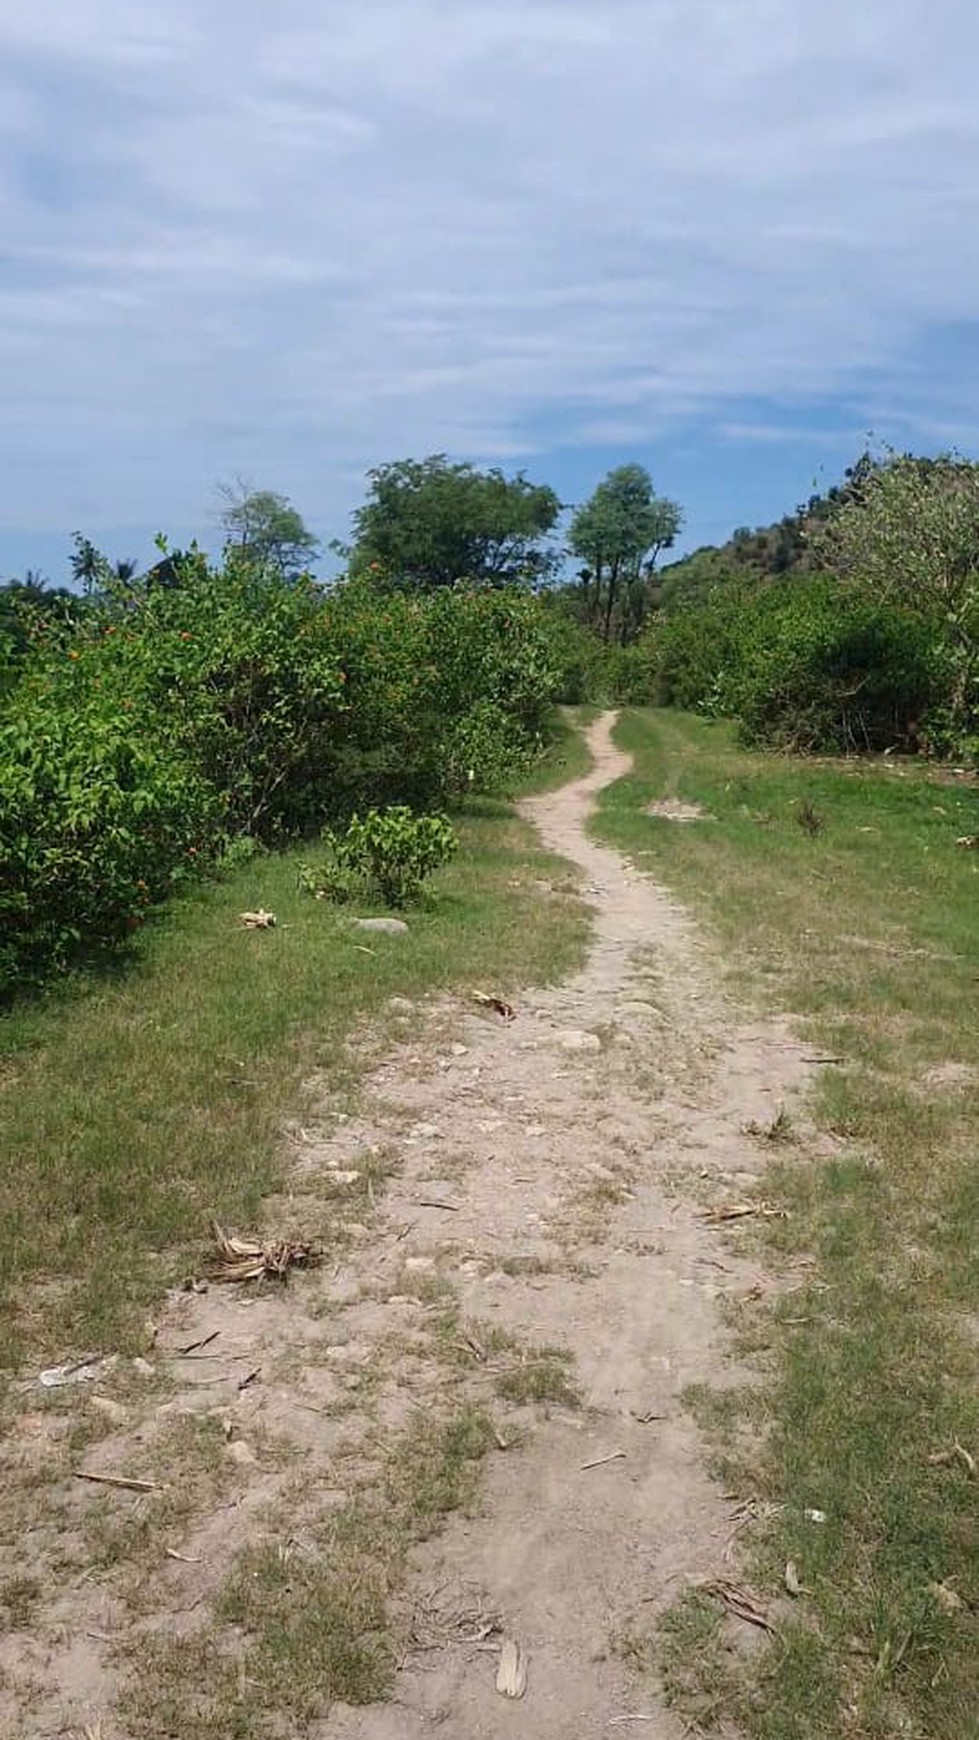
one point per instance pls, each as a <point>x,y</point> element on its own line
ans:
<point>909,528</point>
<point>429,522</point>
<point>266,530</point>
<point>619,534</point>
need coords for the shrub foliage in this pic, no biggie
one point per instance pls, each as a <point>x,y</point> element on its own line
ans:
<point>138,744</point>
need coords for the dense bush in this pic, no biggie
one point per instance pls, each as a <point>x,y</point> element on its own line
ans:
<point>805,665</point>
<point>174,720</point>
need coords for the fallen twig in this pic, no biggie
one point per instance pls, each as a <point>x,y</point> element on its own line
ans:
<point>740,1211</point>
<point>737,1600</point>
<point>124,1480</point>
<point>193,1346</point>
<point>432,1202</point>
<point>600,1461</point>
<point>183,1558</point>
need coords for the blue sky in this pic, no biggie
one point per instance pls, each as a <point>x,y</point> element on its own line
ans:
<point>724,238</point>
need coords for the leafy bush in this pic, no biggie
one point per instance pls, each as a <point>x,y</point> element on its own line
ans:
<point>140,743</point>
<point>98,821</point>
<point>807,665</point>
<point>695,650</point>
<point>391,850</point>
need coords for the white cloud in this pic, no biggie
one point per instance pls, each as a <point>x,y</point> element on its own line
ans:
<point>296,240</point>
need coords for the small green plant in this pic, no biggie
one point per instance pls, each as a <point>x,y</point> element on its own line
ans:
<point>391,849</point>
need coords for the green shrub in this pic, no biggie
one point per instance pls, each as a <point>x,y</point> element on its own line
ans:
<point>805,665</point>
<point>392,851</point>
<point>138,744</point>
<point>98,820</point>
<point>825,668</point>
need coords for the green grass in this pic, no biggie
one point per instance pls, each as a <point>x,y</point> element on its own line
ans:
<point>865,928</point>
<point>135,1106</point>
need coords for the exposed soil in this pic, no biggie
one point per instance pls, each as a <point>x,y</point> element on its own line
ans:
<point>552,1171</point>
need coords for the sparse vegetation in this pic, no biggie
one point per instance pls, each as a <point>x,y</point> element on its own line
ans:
<point>866,931</point>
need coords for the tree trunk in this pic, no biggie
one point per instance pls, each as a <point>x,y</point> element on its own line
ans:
<point>613,581</point>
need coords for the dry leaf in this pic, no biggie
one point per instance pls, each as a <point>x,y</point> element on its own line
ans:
<point>503,1009</point>
<point>260,920</point>
<point>738,1600</point>
<point>511,1677</point>
<point>247,1260</point>
<point>946,1598</point>
<point>739,1210</point>
<point>958,1453</point>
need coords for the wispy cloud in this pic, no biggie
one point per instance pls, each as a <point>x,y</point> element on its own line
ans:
<point>295,240</point>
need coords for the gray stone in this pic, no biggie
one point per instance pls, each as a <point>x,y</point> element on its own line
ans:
<point>382,926</point>
<point>242,1453</point>
<point>575,1039</point>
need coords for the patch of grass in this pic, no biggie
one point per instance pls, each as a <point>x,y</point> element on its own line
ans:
<point>865,929</point>
<point>568,756</point>
<point>300,1626</point>
<point>19,1599</point>
<point>134,1107</point>
<point>541,1376</point>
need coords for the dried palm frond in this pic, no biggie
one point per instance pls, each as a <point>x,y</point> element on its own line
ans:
<point>505,1010</point>
<point>249,1260</point>
<point>260,920</point>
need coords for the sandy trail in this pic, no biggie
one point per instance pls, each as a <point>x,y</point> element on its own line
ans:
<point>571,1152</point>
<point>576,1560</point>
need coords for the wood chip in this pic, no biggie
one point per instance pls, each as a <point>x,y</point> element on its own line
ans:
<point>511,1677</point>
<point>124,1480</point>
<point>792,1582</point>
<point>600,1461</point>
<point>260,920</point>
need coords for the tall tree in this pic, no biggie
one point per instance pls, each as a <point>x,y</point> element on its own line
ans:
<point>619,533</point>
<point>265,529</point>
<point>428,523</point>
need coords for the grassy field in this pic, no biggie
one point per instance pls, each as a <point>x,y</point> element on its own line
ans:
<point>838,892</point>
<point>135,1106</point>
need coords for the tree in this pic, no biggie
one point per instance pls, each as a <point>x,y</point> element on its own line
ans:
<point>428,523</point>
<point>619,533</point>
<point>265,529</point>
<point>909,532</point>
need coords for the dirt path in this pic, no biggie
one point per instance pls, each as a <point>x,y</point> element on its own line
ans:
<point>550,1174</point>
<point>579,1560</point>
